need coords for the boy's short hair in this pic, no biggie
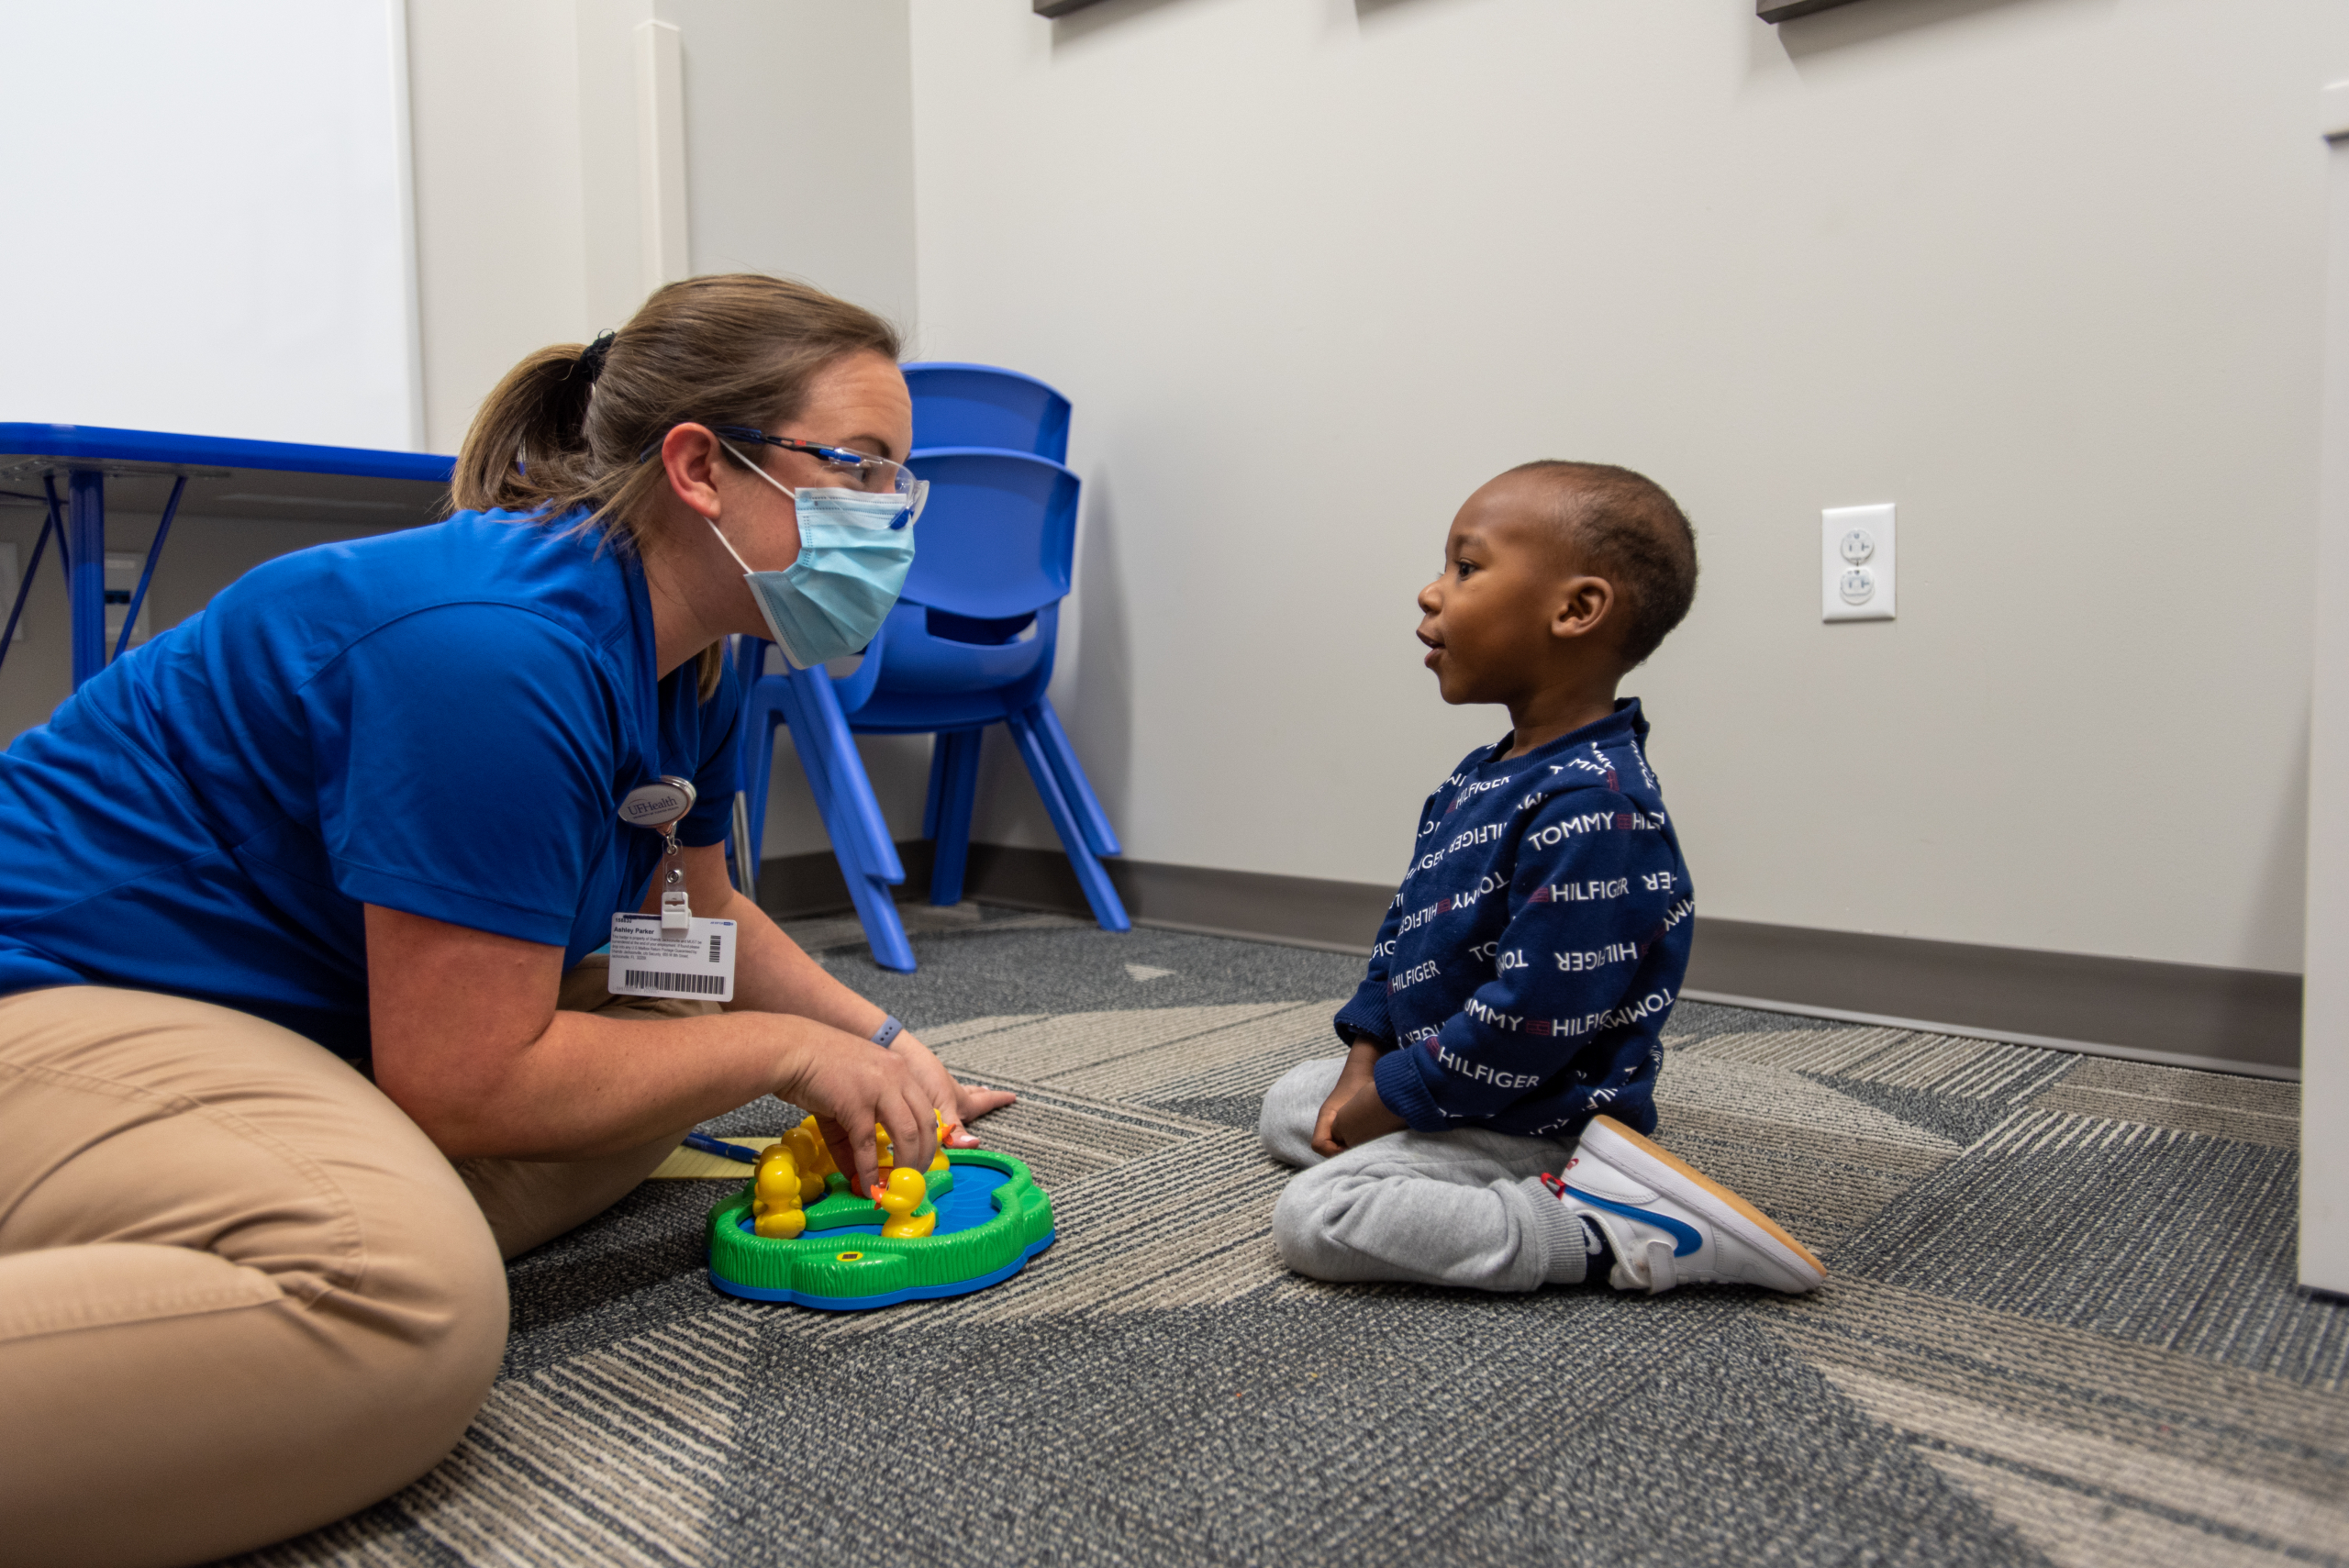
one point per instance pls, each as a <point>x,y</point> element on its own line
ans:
<point>1632,534</point>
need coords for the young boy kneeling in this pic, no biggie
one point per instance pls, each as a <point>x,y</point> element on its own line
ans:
<point>1526,967</point>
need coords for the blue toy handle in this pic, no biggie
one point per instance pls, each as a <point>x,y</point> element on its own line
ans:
<point>718,1146</point>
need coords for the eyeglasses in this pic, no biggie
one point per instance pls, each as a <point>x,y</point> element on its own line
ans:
<point>874,475</point>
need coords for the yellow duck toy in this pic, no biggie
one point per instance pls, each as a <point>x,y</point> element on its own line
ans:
<point>791,1172</point>
<point>808,1153</point>
<point>903,1193</point>
<point>775,1203</point>
<point>884,1150</point>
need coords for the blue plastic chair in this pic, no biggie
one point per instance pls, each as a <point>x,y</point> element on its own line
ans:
<point>979,405</point>
<point>970,644</point>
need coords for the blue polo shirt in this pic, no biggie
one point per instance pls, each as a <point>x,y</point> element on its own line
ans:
<point>440,722</point>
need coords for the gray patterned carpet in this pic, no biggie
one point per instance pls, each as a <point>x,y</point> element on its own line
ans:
<point>2062,1327</point>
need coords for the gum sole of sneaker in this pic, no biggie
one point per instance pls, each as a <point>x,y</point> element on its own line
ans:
<point>1613,1131</point>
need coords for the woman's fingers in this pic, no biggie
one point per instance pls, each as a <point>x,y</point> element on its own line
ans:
<point>913,1139</point>
<point>904,1088</point>
<point>975,1102</point>
<point>853,1151</point>
<point>851,1086</point>
<point>949,1100</point>
<point>970,1104</point>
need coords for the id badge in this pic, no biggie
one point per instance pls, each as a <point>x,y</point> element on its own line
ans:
<point>695,964</point>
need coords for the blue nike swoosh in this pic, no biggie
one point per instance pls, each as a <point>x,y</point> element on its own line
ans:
<point>1684,1236</point>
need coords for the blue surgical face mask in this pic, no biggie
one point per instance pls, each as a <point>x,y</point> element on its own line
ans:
<point>854,551</point>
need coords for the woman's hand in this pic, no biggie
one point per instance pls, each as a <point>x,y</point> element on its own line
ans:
<point>773,975</point>
<point>849,1085</point>
<point>958,1103</point>
<point>928,1089</point>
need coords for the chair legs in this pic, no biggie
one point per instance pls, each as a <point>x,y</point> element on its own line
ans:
<point>758,759</point>
<point>1045,764</point>
<point>860,836</point>
<point>1075,785</point>
<point>953,789</point>
<point>850,789</point>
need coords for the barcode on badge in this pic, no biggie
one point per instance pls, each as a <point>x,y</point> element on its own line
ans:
<point>650,961</point>
<point>684,984</point>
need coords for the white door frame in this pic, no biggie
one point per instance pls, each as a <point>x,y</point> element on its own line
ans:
<point>2324,1044</point>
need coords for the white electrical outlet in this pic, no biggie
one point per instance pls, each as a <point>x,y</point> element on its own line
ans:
<point>1856,557</point>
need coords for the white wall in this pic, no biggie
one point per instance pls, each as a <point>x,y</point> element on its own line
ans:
<point>799,157</point>
<point>2324,1049</point>
<point>500,213</point>
<point>799,134</point>
<point>2045,272</point>
<point>212,212</point>
<point>799,153</point>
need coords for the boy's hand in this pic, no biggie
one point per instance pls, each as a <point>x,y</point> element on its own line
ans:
<point>1363,1117</point>
<point>1361,1058</point>
<point>1354,1114</point>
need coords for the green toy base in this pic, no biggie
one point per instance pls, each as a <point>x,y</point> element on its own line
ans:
<point>991,1221</point>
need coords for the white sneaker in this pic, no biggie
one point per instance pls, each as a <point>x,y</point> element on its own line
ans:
<point>1670,1226</point>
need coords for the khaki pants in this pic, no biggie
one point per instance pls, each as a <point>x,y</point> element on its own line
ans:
<point>241,1293</point>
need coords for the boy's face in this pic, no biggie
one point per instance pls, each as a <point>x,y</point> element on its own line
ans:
<point>1489,616</point>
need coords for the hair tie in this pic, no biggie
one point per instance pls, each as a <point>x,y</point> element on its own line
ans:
<point>592,357</point>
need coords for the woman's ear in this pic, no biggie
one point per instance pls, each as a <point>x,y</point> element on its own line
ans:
<point>1583,603</point>
<point>690,454</point>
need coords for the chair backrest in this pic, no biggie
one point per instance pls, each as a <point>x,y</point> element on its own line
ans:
<point>979,405</point>
<point>998,533</point>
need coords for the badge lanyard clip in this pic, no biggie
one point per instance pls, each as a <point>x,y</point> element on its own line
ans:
<point>677,913</point>
<point>661,806</point>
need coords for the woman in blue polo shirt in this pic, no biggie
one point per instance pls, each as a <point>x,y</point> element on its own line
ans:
<point>301,1021</point>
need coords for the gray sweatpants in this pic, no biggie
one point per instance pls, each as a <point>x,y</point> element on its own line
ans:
<point>1466,1207</point>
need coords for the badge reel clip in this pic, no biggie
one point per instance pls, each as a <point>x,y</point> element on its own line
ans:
<point>674,955</point>
<point>676,909</point>
<point>661,806</point>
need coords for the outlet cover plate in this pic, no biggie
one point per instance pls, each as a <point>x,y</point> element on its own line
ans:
<point>1836,524</point>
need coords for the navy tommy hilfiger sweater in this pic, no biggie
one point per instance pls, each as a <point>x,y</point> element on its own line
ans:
<point>1527,964</point>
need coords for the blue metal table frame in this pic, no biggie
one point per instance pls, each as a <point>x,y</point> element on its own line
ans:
<point>87,454</point>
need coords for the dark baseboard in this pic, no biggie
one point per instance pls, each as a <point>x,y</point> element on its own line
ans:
<point>2185,1015</point>
<point>800,887</point>
<point>1299,911</point>
<point>2240,1020</point>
